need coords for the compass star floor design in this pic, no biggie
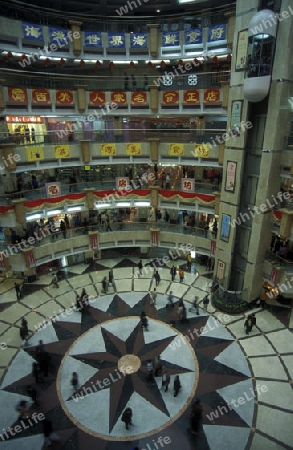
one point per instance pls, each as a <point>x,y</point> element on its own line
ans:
<point>211,360</point>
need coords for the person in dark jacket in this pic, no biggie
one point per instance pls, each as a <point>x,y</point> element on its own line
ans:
<point>157,277</point>
<point>127,417</point>
<point>195,416</point>
<point>177,385</point>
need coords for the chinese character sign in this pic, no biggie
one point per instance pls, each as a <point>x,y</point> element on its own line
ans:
<point>108,149</point>
<point>41,97</point>
<point>187,184</point>
<point>119,98</point>
<point>34,153</point>
<point>30,259</point>
<point>230,176</point>
<point>17,95</point>
<point>191,97</point>
<point>97,98</point>
<point>64,97</point>
<point>122,183</point>
<point>133,148</point>
<point>32,31</point>
<point>58,35</point>
<point>217,33</point>
<point>92,39</point>
<point>170,39</point>
<point>193,36</point>
<point>225,227</point>
<point>139,98</point>
<point>176,149</point>
<point>211,95</point>
<point>53,189</point>
<point>170,97</point>
<point>138,40</point>
<point>201,150</point>
<point>116,40</point>
<point>62,151</point>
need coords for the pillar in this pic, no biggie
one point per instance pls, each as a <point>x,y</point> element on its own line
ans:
<point>225,91</point>
<point>154,39</point>
<point>8,157</point>
<point>81,101</point>
<point>154,196</point>
<point>217,204</point>
<point>154,149</point>
<point>85,150</point>
<point>89,197</point>
<point>76,36</point>
<point>19,210</point>
<point>154,97</point>
<point>221,154</point>
<point>2,100</point>
<point>230,28</point>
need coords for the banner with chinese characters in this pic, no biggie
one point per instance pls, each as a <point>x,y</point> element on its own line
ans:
<point>170,97</point>
<point>53,189</point>
<point>187,184</point>
<point>230,176</point>
<point>32,31</point>
<point>139,98</point>
<point>201,150</point>
<point>242,45</point>
<point>17,95</point>
<point>41,97</point>
<point>154,237</point>
<point>217,33</point>
<point>138,40</point>
<point>93,235</point>
<point>62,151</point>
<point>176,149</point>
<point>64,97</point>
<point>221,271</point>
<point>116,40</point>
<point>170,39</point>
<point>122,183</point>
<point>193,36</point>
<point>34,153</point>
<point>97,98</point>
<point>119,98</point>
<point>58,36</point>
<point>211,95</point>
<point>108,149</point>
<point>225,227</point>
<point>213,247</point>
<point>29,258</point>
<point>191,97</point>
<point>92,39</point>
<point>133,148</point>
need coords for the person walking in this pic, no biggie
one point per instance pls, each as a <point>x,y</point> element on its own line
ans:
<point>195,304</point>
<point>253,319</point>
<point>195,416</point>
<point>189,260</point>
<point>111,280</point>
<point>168,181</point>
<point>166,380</point>
<point>127,417</point>
<point>144,320</point>
<point>205,302</point>
<point>63,228</point>
<point>154,296</point>
<point>49,435</point>
<point>157,277</point>
<point>24,331</point>
<point>173,272</point>
<point>177,386</point>
<point>105,285</point>
<point>140,267</point>
<point>17,291</point>
<point>248,324</point>
<point>150,370</point>
<point>181,275</point>
<point>170,299</point>
<point>74,381</point>
<point>36,372</point>
<point>55,281</point>
<point>108,226</point>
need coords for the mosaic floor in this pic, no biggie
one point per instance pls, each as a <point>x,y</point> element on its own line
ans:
<point>243,382</point>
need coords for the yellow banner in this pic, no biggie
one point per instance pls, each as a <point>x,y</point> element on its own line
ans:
<point>176,149</point>
<point>133,149</point>
<point>201,150</point>
<point>34,153</point>
<point>62,151</point>
<point>108,149</point>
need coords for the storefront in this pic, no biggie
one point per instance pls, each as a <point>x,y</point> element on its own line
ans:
<point>26,129</point>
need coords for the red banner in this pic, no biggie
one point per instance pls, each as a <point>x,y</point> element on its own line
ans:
<point>64,97</point>
<point>41,97</point>
<point>17,95</point>
<point>154,238</point>
<point>170,98</point>
<point>30,259</point>
<point>97,98</point>
<point>273,276</point>
<point>211,95</point>
<point>119,98</point>
<point>94,241</point>
<point>213,248</point>
<point>191,97</point>
<point>139,98</point>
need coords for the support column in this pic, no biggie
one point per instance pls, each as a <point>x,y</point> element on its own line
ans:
<point>154,196</point>
<point>19,210</point>
<point>154,39</point>
<point>2,100</point>
<point>221,154</point>
<point>230,28</point>
<point>85,150</point>
<point>80,94</point>
<point>8,160</point>
<point>76,35</point>
<point>154,97</point>
<point>89,198</point>
<point>154,149</point>
<point>225,90</point>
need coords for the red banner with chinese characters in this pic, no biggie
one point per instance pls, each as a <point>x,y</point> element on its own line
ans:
<point>64,97</point>
<point>154,237</point>
<point>53,189</point>
<point>24,119</point>
<point>170,97</point>
<point>191,97</point>
<point>139,98</point>
<point>187,184</point>
<point>17,95</point>
<point>273,276</point>
<point>41,97</point>
<point>119,98</point>
<point>122,182</point>
<point>211,95</point>
<point>29,258</point>
<point>97,98</point>
<point>94,240</point>
<point>213,248</point>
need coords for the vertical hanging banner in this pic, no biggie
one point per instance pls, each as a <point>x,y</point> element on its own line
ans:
<point>170,39</point>
<point>116,40</point>
<point>41,97</point>
<point>93,235</point>
<point>193,36</point>
<point>97,98</point>
<point>213,247</point>
<point>122,183</point>
<point>138,40</point>
<point>32,31</point>
<point>17,95</point>
<point>64,97</point>
<point>92,39</point>
<point>154,237</point>
<point>53,189</point>
<point>29,258</point>
<point>230,176</point>
<point>217,33</point>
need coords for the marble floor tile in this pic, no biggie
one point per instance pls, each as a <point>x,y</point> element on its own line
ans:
<point>256,346</point>
<point>269,424</point>
<point>7,355</point>
<point>266,321</point>
<point>238,330</point>
<point>280,340</point>
<point>278,393</point>
<point>260,442</point>
<point>288,360</point>
<point>268,367</point>
<point>80,281</point>
<point>3,327</point>
<point>32,301</point>
<point>12,313</point>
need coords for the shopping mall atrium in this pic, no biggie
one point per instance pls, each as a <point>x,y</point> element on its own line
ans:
<point>146,225</point>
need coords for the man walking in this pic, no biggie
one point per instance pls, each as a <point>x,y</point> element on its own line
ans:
<point>181,275</point>
<point>173,272</point>
<point>206,301</point>
<point>170,299</point>
<point>127,417</point>
<point>140,267</point>
<point>157,278</point>
<point>17,291</point>
<point>154,296</point>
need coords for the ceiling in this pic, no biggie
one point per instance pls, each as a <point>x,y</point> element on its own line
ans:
<point>140,8</point>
